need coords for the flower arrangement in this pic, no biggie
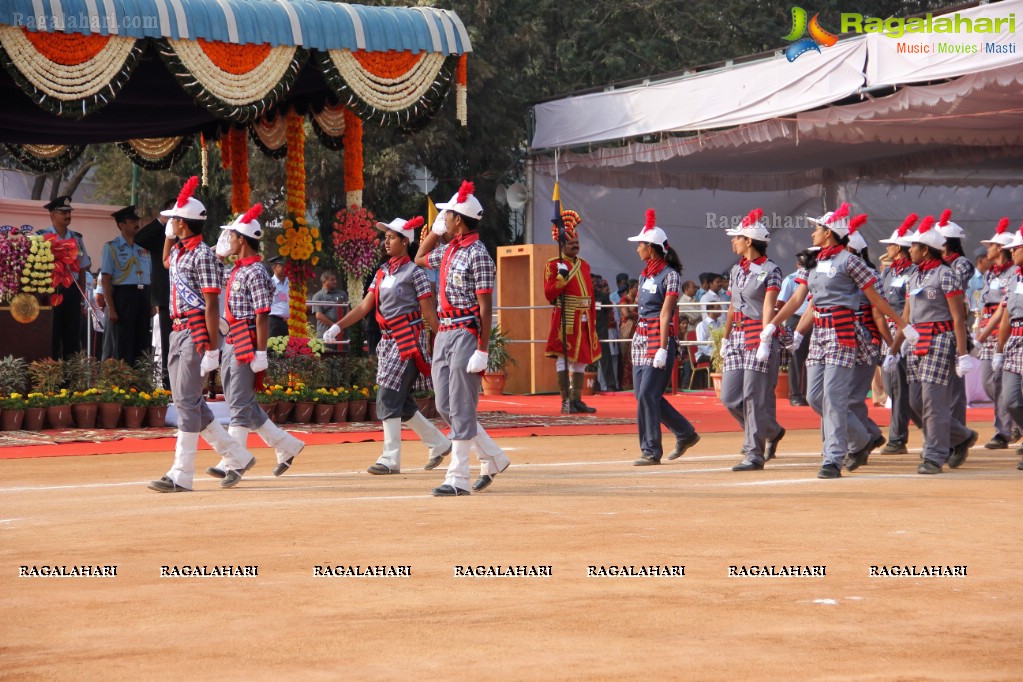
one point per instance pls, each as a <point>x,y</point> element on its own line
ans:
<point>294,346</point>
<point>36,399</point>
<point>358,393</point>
<point>327,396</point>
<point>300,241</point>
<point>12,401</point>
<point>353,160</point>
<point>272,394</point>
<point>111,394</point>
<point>14,252</point>
<point>61,397</point>
<point>159,397</point>
<point>356,244</point>
<point>37,273</point>
<point>342,393</point>
<point>64,254</point>
<point>295,165</point>
<point>89,395</point>
<point>237,141</point>
<point>133,398</point>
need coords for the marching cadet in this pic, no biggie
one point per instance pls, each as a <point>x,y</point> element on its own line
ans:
<point>654,347</point>
<point>1009,356</point>
<point>196,277</point>
<point>955,258</point>
<point>835,284</point>
<point>567,285</point>
<point>126,277</point>
<point>936,311</point>
<point>750,361</point>
<point>894,289</point>
<point>467,278</point>
<point>401,296</point>
<point>997,280</point>
<point>247,310</point>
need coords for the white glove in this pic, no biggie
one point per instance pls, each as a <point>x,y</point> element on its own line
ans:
<point>260,362</point>
<point>997,361</point>
<point>223,248</point>
<point>724,346</point>
<point>965,364</point>
<point>439,227</point>
<point>168,230</point>
<point>661,358</point>
<point>911,335</point>
<point>210,362</point>
<point>767,335</point>
<point>478,362</point>
<point>891,363</point>
<point>562,269</point>
<point>330,336</point>
<point>797,339</point>
<point>763,351</point>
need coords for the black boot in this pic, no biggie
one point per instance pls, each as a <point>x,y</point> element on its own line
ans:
<point>577,394</point>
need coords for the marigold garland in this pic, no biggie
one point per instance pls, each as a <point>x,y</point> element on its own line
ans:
<point>353,161</point>
<point>390,65</point>
<point>235,58</point>
<point>225,151</point>
<point>69,49</point>
<point>295,165</point>
<point>238,144</point>
<point>462,91</point>
<point>37,273</point>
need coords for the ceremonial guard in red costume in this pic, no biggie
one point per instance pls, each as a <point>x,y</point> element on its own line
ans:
<point>568,286</point>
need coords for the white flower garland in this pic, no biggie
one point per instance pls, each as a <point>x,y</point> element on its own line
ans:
<point>331,120</point>
<point>62,81</point>
<point>461,104</point>
<point>154,148</point>
<point>388,94</point>
<point>273,135</point>
<point>235,89</point>
<point>45,151</point>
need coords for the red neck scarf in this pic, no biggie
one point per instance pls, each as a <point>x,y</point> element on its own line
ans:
<point>830,252</point>
<point>900,264</point>
<point>459,242</point>
<point>999,269</point>
<point>950,258</point>
<point>929,264</point>
<point>745,262</point>
<point>395,264</point>
<point>654,267</point>
<point>189,243</point>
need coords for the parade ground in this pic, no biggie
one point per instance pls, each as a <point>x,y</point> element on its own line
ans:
<point>573,565</point>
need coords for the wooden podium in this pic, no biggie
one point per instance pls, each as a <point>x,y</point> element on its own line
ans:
<point>520,283</point>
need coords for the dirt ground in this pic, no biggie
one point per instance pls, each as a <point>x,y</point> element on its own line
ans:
<point>567,503</point>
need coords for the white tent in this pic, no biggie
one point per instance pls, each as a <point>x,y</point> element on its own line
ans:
<point>890,131</point>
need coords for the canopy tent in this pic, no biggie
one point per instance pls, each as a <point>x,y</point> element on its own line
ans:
<point>78,72</point>
<point>859,121</point>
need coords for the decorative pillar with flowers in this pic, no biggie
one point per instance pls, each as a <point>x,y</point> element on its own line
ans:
<point>355,246</point>
<point>300,243</point>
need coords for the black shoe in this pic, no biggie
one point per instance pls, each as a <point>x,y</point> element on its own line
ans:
<point>894,448</point>
<point>482,483</point>
<point>683,444</point>
<point>748,465</point>
<point>283,466</point>
<point>829,471</point>
<point>772,447</point>
<point>582,407</point>
<point>166,485</point>
<point>566,407</point>
<point>877,442</point>
<point>435,461</point>
<point>798,402</point>
<point>215,472</point>
<point>998,442</point>
<point>646,461</point>
<point>235,475</point>
<point>1015,435</point>
<point>382,469</point>
<point>928,467</point>
<point>448,491</point>
<point>961,451</point>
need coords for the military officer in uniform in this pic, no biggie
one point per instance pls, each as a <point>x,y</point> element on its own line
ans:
<point>67,316</point>
<point>126,273</point>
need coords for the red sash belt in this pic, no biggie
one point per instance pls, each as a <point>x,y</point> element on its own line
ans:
<point>928,330</point>
<point>842,320</point>
<point>460,318</point>
<point>242,335</point>
<point>1016,326</point>
<point>405,329</point>
<point>651,327</point>
<point>750,329</point>
<point>195,322</point>
<point>866,318</point>
<point>988,313</point>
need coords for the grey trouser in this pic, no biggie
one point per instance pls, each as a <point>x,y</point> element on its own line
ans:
<point>392,404</point>
<point>827,391</point>
<point>240,390</point>
<point>863,377</point>
<point>942,429</point>
<point>653,410</point>
<point>958,395</point>
<point>1012,395</point>
<point>187,384</point>
<point>749,397</point>
<point>897,387</point>
<point>993,389</point>
<point>458,392</point>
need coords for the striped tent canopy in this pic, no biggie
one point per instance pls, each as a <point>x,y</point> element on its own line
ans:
<point>77,72</point>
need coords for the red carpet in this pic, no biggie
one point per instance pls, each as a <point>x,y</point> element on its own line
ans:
<point>503,416</point>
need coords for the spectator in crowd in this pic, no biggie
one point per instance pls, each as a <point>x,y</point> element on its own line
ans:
<point>608,369</point>
<point>279,310</point>
<point>125,277</point>
<point>627,328</point>
<point>689,312</point>
<point>705,279</point>
<point>711,321</point>
<point>327,315</point>
<point>714,295</point>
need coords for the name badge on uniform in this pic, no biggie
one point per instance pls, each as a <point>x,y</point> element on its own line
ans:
<point>916,292</point>
<point>650,286</point>
<point>387,282</point>
<point>1019,287</point>
<point>762,276</point>
<point>755,268</point>
<point>825,267</point>
<point>899,281</point>
<point>996,285</point>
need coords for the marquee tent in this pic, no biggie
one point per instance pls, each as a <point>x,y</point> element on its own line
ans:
<point>892,131</point>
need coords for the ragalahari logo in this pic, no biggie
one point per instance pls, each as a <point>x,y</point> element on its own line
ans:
<point>818,37</point>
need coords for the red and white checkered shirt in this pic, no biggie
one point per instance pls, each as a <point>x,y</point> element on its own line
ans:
<point>194,271</point>
<point>249,288</point>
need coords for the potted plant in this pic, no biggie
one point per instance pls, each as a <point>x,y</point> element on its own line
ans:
<point>58,411</point>
<point>47,377</point>
<point>134,406</point>
<point>35,411</point>
<point>281,399</point>
<point>267,402</point>
<point>341,404</point>
<point>498,359</point>
<point>371,403</point>
<point>12,411</point>
<point>82,371</point>
<point>324,400</point>
<point>717,362</point>
<point>13,375</point>
<point>156,407</point>
<point>111,400</point>
<point>304,405</point>
<point>357,403</point>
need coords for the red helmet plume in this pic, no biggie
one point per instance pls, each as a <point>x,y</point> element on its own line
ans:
<point>187,191</point>
<point>465,190</point>
<point>651,220</point>
<point>252,214</point>
<point>926,224</point>
<point>946,215</point>
<point>415,223</point>
<point>752,217</point>
<point>1003,225</point>
<point>908,223</point>
<point>841,212</point>
<point>855,223</point>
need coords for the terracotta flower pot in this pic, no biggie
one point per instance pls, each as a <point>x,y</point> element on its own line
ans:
<point>303,413</point>
<point>323,414</point>
<point>11,420</point>
<point>716,380</point>
<point>781,389</point>
<point>109,415</point>
<point>341,412</point>
<point>270,409</point>
<point>424,406</point>
<point>283,411</point>
<point>134,415</point>
<point>156,416</point>
<point>84,415</point>
<point>34,418</point>
<point>433,409</point>
<point>59,416</point>
<point>371,410</point>
<point>493,383</point>
<point>357,410</point>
